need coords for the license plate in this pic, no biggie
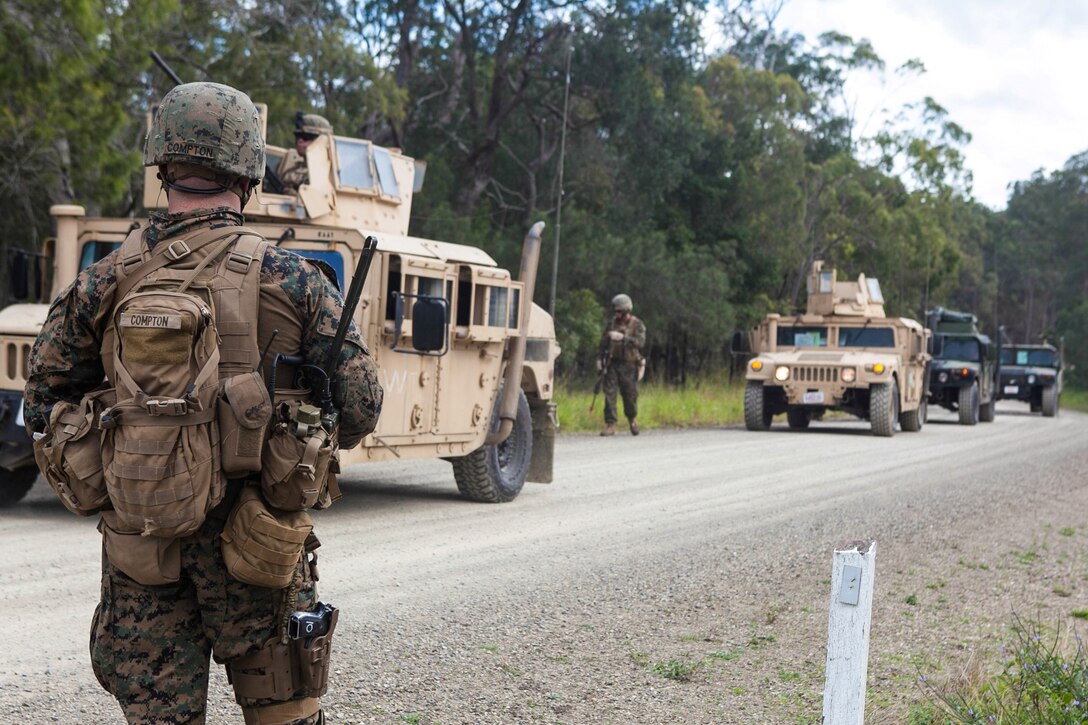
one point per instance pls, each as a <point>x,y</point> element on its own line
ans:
<point>816,396</point>
<point>1012,389</point>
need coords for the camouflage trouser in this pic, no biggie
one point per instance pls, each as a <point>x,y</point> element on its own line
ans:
<point>150,644</point>
<point>622,377</point>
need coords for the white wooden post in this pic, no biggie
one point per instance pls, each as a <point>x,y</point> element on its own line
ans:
<point>853,569</point>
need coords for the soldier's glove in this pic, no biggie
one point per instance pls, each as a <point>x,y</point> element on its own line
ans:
<point>615,335</point>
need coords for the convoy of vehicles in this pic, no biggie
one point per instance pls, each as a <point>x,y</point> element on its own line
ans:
<point>1032,374</point>
<point>464,355</point>
<point>842,354</point>
<point>963,374</point>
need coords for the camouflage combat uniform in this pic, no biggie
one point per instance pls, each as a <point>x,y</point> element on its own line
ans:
<point>293,171</point>
<point>623,360</point>
<point>150,644</point>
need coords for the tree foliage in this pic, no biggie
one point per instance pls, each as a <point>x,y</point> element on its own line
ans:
<point>704,186</point>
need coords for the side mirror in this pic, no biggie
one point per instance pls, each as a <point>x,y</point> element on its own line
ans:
<point>741,344</point>
<point>429,325</point>
<point>936,345</point>
<point>18,274</point>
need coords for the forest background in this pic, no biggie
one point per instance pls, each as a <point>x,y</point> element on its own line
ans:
<point>703,185</point>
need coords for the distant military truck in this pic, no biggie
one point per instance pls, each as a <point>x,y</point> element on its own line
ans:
<point>1032,374</point>
<point>963,374</point>
<point>842,354</point>
<point>466,359</point>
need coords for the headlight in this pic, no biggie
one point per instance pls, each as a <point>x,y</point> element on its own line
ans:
<point>942,377</point>
<point>849,374</point>
<point>1031,380</point>
<point>781,373</point>
<point>757,365</point>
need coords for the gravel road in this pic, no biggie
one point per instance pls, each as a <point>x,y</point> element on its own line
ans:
<point>677,577</point>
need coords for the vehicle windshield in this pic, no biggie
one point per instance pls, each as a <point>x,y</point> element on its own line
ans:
<point>1037,356</point>
<point>959,349</point>
<point>866,337</point>
<point>802,337</point>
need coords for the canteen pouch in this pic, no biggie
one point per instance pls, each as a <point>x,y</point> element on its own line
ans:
<point>149,560</point>
<point>261,546</point>
<point>244,412</point>
<point>299,470</point>
<point>69,455</point>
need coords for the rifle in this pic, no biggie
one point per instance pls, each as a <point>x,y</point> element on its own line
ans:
<point>606,361</point>
<point>321,377</point>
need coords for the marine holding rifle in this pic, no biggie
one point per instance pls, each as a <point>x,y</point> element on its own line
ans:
<point>621,364</point>
<point>149,400</point>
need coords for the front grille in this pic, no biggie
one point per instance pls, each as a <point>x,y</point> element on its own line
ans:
<point>816,374</point>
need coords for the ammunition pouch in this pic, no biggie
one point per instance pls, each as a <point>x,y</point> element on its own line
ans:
<point>284,669</point>
<point>308,709</point>
<point>300,463</point>
<point>148,560</point>
<point>244,412</point>
<point>70,453</point>
<point>263,547</point>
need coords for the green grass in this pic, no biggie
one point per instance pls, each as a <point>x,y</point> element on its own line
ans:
<point>704,403</point>
<point>1043,679</point>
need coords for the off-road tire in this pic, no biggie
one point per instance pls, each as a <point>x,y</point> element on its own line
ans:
<point>884,408</point>
<point>969,405</point>
<point>1050,401</point>
<point>912,421</point>
<point>496,474</point>
<point>986,412</point>
<point>757,416</point>
<point>798,418</point>
<point>16,485</point>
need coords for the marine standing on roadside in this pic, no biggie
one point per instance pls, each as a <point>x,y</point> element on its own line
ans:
<point>293,172</point>
<point>169,602</point>
<point>620,359</point>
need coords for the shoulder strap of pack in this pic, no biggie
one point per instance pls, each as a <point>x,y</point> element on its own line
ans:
<point>162,255</point>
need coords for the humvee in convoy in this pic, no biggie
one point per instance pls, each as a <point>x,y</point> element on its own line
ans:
<point>1032,374</point>
<point>842,354</point>
<point>465,357</point>
<point>963,374</point>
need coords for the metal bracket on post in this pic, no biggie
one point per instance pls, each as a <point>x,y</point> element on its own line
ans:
<point>848,623</point>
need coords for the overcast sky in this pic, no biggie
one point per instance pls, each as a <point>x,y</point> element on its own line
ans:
<point>1012,73</point>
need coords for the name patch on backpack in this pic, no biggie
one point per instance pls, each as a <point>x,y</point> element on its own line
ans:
<point>153,320</point>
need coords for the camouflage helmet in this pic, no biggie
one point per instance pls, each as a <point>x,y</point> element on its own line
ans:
<point>208,125</point>
<point>621,303</point>
<point>311,124</point>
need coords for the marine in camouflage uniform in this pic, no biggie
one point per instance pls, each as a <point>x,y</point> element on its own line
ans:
<point>621,351</point>
<point>150,645</point>
<point>293,171</point>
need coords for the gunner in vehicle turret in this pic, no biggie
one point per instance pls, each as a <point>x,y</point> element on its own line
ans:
<point>293,172</point>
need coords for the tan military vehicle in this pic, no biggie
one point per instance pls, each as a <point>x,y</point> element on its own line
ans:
<point>465,357</point>
<point>842,354</point>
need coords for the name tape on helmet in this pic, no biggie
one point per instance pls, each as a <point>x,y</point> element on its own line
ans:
<point>190,149</point>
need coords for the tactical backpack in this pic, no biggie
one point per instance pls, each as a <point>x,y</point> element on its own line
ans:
<point>180,349</point>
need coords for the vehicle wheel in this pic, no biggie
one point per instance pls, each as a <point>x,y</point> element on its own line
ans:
<point>1050,401</point>
<point>756,414</point>
<point>968,404</point>
<point>496,474</point>
<point>18,484</point>
<point>798,418</point>
<point>884,408</point>
<point>986,412</point>
<point>912,420</point>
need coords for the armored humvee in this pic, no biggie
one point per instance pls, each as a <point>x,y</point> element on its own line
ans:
<point>465,357</point>
<point>963,374</point>
<point>842,354</point>
<point>1032,374</point>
